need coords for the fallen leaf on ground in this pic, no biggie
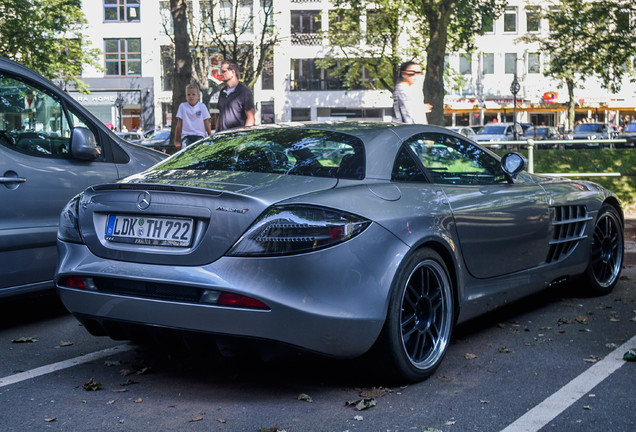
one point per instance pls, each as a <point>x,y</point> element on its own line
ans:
<point>195,419</point>
<point>139,400</point>
<point>65,343</point>
<point>221,420</point>
<point>362,404</point>
<point>564,321</point>
<point>305,397</point>
<point>92,385</point>
<point>374,392</point>
<point>582,319</point>
<point>469,356</point>
<point>29,339</point>
<point>358,418</point>
<point>50,420</point>
<point>505,350</point>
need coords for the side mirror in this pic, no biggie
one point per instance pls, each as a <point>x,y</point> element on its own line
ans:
<point>512,164</point>
<point>84,145</point>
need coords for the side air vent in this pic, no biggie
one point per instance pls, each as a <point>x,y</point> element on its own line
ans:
<point>569,229</point>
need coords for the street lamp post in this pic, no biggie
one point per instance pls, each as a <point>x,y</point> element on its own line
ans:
<point>119,102</point>
<point>514,88</point>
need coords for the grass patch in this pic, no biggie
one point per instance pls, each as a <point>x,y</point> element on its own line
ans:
<point>592,161</point>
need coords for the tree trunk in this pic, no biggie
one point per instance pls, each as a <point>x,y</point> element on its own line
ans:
<point>438,17</point>
<point>182,59</point>
<point>570,84</point>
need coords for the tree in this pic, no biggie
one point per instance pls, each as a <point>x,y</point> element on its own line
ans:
<point>588,39</point>
<point>47,37</point>
<point>241,30</point>
<point>430,27</point>
<point>182,74</point>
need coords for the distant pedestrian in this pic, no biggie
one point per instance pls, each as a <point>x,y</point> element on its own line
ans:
<point>408,96</point>
<point>193,120</point>
<point>236,102</point>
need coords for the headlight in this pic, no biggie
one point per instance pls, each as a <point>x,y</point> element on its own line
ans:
<point>296,229</point>
<point>68,228</point>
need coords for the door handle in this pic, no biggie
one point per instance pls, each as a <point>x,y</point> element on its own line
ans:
<point>11,180</point>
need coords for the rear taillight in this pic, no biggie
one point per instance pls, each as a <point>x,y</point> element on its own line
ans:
<point>288,230</point>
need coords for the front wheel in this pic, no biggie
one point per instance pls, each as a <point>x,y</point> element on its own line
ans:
<point>606,254</point>
<point>420,318</point>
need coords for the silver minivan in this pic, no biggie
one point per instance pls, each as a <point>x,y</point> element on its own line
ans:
<point>51,148</point>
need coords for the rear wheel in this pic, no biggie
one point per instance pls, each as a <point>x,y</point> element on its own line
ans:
<point>420,318</point>
<point>606,254</point>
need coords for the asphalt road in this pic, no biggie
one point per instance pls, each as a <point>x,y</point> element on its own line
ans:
<point>553,362</point>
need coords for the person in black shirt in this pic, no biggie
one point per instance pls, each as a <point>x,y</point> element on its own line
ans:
<point>236,102</point>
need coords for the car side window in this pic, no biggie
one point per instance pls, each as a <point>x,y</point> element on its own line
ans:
<point>33,120</point>
<point>451,160</point>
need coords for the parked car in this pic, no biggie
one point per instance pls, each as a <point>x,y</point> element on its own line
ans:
<point>51,148</point>
<point>132,137</point>
<point>591,132</point>
<point>493,132</point>
<point>629,135</point>
<point>336,238</point>
<point>467,131</point>
<point>160,140</point>
<point>542,133</point>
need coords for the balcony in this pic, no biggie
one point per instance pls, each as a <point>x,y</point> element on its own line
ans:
<point>306,39</point>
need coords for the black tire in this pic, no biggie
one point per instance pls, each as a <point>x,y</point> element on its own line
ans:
<point>606,252</point>
<point>420,318</point>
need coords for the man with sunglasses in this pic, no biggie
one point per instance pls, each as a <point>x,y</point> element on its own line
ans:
<point>236,102</point>
<point>408,96</point>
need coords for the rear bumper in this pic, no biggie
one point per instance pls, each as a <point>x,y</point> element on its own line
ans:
<point>333,301</point>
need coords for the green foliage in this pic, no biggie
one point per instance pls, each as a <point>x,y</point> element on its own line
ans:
<point>573,161</point>
<point>589,38</point>
<point>46,36</point>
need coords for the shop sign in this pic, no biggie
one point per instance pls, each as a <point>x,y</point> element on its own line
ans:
<point>550,97</point>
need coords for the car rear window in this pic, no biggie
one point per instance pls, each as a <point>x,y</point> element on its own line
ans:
<point>303,152</point>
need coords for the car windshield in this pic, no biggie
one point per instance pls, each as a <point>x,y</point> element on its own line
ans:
<point>303,152</point>
<point>161,135</point>
<point>539,131</point>
<point>493,130</point>
<point>631,127</point>
<point>588,127</point>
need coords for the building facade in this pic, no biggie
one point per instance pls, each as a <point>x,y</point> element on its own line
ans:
<point>133,87</point>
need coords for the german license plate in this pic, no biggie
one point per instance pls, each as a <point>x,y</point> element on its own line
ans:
<point>159,231</point>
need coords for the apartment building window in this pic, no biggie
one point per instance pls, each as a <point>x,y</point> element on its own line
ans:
<point>344,27</point>
<point>533,19</point>
<point>534,65</point>
<point>301,114</point>
<point>121,10</point>
<point>122,57</point>
<point>511,63</point>
<point>305,27</point>
<point>510,20</point>
<point>378,21</point>
<point>465,64</point>
<point>267,74</point>
<point>305,75</point>
<point>244,16</point>
<point>488,64</point>
<point>167,67</point>
<point>487,24</point>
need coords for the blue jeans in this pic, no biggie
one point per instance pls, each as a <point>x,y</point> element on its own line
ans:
<point>189,139</point>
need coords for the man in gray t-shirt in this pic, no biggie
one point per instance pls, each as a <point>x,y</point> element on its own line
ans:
<point>236,102</point>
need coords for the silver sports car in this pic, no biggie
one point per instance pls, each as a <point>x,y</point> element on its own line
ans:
<point>338,239</point>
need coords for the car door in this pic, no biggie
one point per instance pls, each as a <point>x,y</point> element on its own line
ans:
<point>38,175</point>
<point>503,226</point>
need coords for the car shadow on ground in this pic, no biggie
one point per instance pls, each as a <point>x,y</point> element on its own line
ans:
<point>30,309</point>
